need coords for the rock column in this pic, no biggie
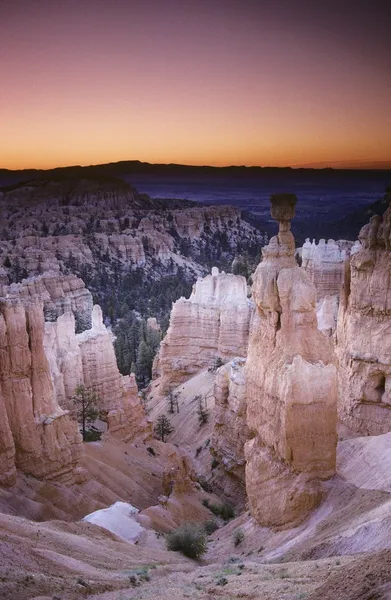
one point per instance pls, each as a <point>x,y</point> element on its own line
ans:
<point>291,386</point>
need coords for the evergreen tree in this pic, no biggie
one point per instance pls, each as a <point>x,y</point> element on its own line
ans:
<point>144,362</point>
<point>86,407</point>
<point>163,427</point>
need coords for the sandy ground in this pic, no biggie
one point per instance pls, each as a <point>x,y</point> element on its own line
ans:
<point>343,550</point>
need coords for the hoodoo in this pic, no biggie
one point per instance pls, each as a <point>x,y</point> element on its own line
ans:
<point>291,386</point>
<point>364,332</point>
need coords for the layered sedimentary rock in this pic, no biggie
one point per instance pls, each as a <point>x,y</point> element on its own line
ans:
<point>213,322</point>
<point>37,435</point>
<point>364,332</point>
<point>230,429</point>
<point>59,294</point>
<point>88,358</point>
<point>291,387</point>
<point>81,224</point>
<point>324,265</point>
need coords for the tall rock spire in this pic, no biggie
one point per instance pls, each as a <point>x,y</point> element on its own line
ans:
<point>291,386</point>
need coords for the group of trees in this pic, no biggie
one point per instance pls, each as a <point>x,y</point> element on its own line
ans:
<point>135,347</point>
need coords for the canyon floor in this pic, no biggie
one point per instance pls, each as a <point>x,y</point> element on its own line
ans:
<point>341,551</point>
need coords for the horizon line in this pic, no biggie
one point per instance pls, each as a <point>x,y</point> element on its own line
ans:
<point>360,164</point>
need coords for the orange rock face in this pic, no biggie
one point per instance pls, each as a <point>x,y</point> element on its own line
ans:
<point>41,364</point>
<point>38,436</point>
<point>364,333</point>
<point>291,387</point>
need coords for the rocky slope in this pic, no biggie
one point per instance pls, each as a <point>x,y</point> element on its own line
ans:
<point>291,387</point>
<point>364,332</point>
<point>213,322</point>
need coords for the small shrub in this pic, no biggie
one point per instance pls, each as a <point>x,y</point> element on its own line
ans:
<point>206,503</point>
<point>225,511</point>
<point>214,463</point>
<point>222,581</point>
<point>189,538</point>
<point>198,451</point>
<point>210,526</point>
<point>92,435</point>
<point>205,485</point>
<point>238,536</point>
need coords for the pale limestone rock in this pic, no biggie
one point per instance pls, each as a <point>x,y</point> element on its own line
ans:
<point>327,314</point>
<point>64,356</point>
<point>230,430</point>
<point>59,294</point>
<point>324,264</point>
<point>46,443</point>
<point>364,333</point>
<point>214,321</point>
<point>291,387</point>
<point>88,358</point>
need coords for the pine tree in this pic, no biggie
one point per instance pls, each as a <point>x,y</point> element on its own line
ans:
<point>86,407</point>
<point>163,427</point>
<point>144,362</point>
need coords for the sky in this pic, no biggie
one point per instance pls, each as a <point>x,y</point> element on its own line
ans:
<point>218,82</point>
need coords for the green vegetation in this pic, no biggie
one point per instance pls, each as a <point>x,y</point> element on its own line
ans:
<point>86,405</point>
<point>238,536</point>
<point>163,427</point>
<point>211,526</point>
<point>189,538</point>
<point>135,347</point>
<point>225,510</point>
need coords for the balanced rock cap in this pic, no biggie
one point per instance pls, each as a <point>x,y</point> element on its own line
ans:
<point>283,206</point>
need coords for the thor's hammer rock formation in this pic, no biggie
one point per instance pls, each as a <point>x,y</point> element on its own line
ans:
<point>291,386</point>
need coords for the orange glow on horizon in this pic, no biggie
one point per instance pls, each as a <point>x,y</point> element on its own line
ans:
<point>88,86</point>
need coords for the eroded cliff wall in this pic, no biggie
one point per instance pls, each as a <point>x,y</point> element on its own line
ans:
<point>38,437</point>
<point>230,430</point>
<point>364,332</point>
<point>213,322</point>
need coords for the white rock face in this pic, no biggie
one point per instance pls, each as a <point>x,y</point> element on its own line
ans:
<point>120,518</point>
<point>214,321</point>
<point>327,314</point>
<point>324,264</point>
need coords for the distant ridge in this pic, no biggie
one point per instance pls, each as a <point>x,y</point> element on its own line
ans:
<point>135,167</point>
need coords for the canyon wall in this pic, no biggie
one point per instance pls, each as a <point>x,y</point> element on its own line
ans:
<point>291,387</point>
<point>41,364</point>
<point>88,359</point>
<point>213,322</point>
<point>324,265</point>
<point>364,332</point>
<point>230,430</point>
<point>38,437</point>
<point>92,225</point>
